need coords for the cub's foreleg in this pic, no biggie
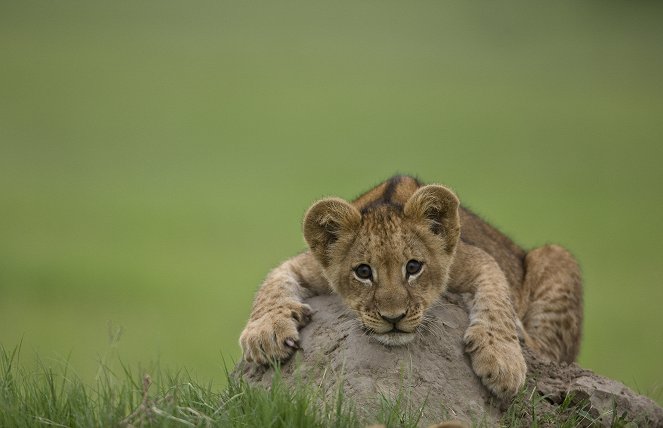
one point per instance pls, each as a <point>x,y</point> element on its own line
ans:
<point>553,317</point>
<point>491,338</point>
<point>278,312</point>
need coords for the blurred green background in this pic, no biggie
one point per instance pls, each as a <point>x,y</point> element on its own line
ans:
<point>156,158</point>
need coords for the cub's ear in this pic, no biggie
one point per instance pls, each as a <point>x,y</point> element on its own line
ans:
<point>437,206</point>
<point>326,222</point>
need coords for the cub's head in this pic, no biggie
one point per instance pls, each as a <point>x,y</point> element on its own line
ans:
<point>389,262</point>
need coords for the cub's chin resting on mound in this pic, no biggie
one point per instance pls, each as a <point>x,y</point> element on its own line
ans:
<point>393,251</point>
<point>394,338</point>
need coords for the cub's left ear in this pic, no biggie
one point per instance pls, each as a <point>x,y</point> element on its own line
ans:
<point>327,222</point>
<point>438,207</point>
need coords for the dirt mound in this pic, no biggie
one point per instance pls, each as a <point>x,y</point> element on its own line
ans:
<point>434,372</point>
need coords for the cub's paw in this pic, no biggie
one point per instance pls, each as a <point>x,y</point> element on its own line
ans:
<point>497,359</point>
<point>274,335</point>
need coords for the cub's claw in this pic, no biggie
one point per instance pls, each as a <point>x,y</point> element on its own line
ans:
<point>291,343</point>
<point>274,336</point>
<point>497,359</point>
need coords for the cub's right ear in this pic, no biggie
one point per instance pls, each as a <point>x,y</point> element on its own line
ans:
<point>326,222</point>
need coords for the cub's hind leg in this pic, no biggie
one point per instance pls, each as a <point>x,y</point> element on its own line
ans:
<point>553,316</point>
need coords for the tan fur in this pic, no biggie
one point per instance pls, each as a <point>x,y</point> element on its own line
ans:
<point>401,220</point>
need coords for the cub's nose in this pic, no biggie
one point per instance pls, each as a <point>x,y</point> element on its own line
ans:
<point>393,320</point>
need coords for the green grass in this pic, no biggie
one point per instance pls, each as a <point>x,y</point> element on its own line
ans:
<point>51,394</point>
<point>152,396</point>
<point>156,157</point>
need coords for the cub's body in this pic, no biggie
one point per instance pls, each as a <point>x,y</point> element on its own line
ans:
<point>393,251</point>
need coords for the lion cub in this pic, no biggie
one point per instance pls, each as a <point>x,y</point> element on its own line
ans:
<point>392,252</point>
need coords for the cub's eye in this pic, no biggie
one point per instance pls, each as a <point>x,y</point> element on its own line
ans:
<point>363,271</point>
<point>413,267</point>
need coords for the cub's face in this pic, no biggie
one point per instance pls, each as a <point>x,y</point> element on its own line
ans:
<point>390,263</point>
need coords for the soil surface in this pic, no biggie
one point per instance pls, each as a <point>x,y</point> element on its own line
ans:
<point>434,372</point>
